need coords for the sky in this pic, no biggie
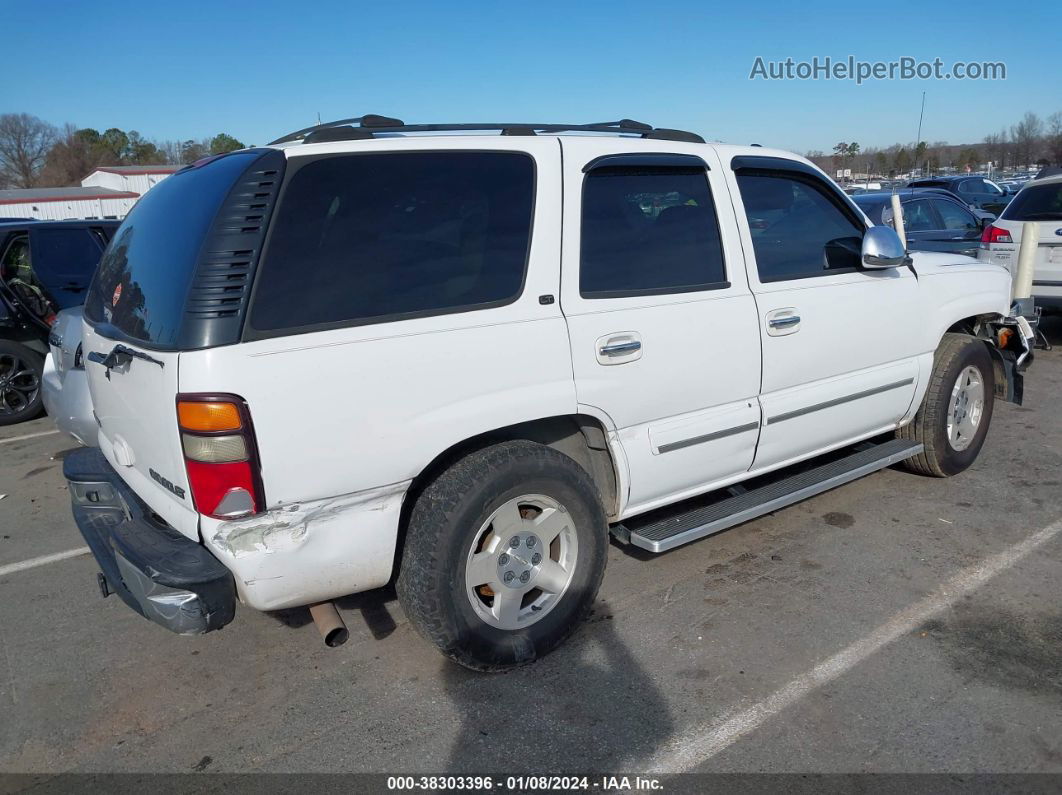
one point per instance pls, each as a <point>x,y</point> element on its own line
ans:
<point>259,70</point>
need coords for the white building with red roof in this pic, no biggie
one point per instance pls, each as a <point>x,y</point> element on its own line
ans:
<point>108,192</point>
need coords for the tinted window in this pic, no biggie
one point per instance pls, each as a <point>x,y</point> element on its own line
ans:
<point>878,212</point>
<point>64,261</point>
<point>648,230</point>
<point>917,217</point>
<point>954,216</point>
<point>797,228</point>
<point>143,278</point>
<point>1036,203</point>
<point>358,238</point>
<point>971,186</point>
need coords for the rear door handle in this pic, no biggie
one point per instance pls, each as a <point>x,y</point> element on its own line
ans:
<point>781,322</point>
<point>618,348</point>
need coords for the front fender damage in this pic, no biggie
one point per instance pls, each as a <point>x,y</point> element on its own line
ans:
<point>1011,343</point>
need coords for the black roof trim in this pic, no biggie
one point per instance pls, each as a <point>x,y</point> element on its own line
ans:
<point>374,124</point>
<point>646,160</point>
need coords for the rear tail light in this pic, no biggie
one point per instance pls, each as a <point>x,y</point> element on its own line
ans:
<point>220,455</point>
<point>995,234</point>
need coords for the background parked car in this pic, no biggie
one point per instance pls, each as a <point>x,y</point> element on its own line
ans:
<point>1041,201</point>
<point>65,383</point>
<point>932,221</point>
<point>45,267</point>
<point>975,191</point>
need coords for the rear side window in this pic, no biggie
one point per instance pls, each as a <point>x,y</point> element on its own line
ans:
<point>797,229</point>
<point>955,217</point>
<point>918,217</point>
<point>365,238</point>
<point>648,230</point>
<point>1036,203</point>
<point>142,283</point>
<point>65,255</point>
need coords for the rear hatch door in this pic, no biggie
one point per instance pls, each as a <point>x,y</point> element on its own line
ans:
<point>164,286</point>
<point>1042,204</point>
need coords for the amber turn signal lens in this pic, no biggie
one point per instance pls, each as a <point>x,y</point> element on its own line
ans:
<point>206,417</point>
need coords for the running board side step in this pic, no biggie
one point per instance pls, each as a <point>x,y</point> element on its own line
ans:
<point>660,535</point>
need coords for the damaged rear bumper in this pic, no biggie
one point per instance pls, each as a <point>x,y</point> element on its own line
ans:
<point>161,574</point>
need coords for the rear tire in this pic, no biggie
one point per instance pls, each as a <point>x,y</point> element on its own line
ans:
<point>503,556</point>
<point>953,420</point>
<point>21,377</point>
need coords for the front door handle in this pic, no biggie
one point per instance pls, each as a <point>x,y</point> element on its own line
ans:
<point>781,322</point>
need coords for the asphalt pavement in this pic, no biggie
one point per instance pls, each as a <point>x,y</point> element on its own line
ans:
<point>896,624</point>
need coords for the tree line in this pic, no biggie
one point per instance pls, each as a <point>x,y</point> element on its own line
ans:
<point>35,154</point>
<point>1030,143</point>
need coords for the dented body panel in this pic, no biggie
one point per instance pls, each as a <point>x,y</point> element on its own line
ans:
<point>308,552</point>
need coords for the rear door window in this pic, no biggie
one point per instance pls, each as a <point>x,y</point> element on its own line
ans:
<point>955,217</point>
<point>649,230</point>
<point>64,260</point>
<point>364,238</point>
<point>918,217</point>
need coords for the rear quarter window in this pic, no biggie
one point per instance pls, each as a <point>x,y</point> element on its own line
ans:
<point>365,238</point>
<point>141,286</point>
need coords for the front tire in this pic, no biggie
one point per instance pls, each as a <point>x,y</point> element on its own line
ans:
<point>21,375</point>
<point>953,420</point>
<point>503,556</point>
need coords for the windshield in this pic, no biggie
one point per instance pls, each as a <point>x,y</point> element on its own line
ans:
<point>142,283</point>
<point>1036,203</point>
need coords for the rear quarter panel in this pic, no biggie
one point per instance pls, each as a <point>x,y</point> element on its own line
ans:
<point>357,408</point>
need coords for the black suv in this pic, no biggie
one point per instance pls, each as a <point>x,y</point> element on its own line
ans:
<point>45,266</point>
<point>976,192</point>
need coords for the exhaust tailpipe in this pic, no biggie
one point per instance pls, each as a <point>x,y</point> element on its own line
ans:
<point>329,624</point>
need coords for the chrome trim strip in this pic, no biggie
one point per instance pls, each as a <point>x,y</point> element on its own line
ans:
<point>694,533</point>
<point>838,401</point>
<point>708,437</point>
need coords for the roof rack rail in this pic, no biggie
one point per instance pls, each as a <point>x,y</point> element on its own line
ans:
<point>371,124</point>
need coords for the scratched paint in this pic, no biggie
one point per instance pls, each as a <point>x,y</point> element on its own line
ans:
<point>289,526</point>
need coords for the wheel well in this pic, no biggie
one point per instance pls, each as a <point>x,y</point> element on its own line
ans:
<point>978,327</point>
<point>579,436</point>
<point>968,325</point>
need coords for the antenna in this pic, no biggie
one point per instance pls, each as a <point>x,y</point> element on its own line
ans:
<point>920,114</point>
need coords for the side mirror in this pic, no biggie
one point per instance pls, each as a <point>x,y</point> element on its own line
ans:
<point>882,248</point>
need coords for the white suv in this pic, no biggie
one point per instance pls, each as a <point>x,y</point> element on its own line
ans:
<point>1041,201</point>
<point>392,350</point>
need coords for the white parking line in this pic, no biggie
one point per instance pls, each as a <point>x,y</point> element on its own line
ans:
<point>43,560</point>
<point>702,743</point>
<point>27,436</point>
